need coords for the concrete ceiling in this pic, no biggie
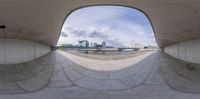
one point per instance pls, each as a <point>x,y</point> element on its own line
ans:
<point>41,20</point>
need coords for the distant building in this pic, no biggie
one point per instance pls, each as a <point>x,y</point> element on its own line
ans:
<point>91,44</point>
<point>103,45</point>
<point>95,44</point>
<point>84,44</point>
<point>135,45</point>
<point>87,44</point>
<point>66,46</point>
<point>138,45</point>
<point>109,47</point>
<point>150,47</point>
<point>69,45</point>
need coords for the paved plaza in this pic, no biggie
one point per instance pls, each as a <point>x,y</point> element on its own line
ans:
<point>61,75</point>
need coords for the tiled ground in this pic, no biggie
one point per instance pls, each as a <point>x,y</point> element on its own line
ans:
<point>157,76</point>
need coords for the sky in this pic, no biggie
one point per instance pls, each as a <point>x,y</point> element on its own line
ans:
<point>117,26</point>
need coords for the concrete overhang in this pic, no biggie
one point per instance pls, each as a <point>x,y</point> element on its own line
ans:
<point>41,20</point>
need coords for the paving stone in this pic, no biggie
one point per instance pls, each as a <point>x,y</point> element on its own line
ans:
<point>72,74</point>
<point>26,77</point>
<point>59,80</point>
<point>106,80</point>
<point>35,83</point>
<point>126,72</point>
<point>10,88</point>
<point>179,82</point>
<point>152,88</point>
<point>18,76</point>
<point>93,84</point>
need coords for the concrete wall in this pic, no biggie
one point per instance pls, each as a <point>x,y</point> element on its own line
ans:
<point>13,51</point>
<point>188,50</point>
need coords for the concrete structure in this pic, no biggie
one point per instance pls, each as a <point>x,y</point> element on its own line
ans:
<point>28,28</point>
<point>13,51</point>
<point>37,27</point>
<point>149,78</point>
<point>186,50</point>
<point>28,76</point>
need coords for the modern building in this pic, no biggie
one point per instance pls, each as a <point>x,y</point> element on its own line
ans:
<point>84,44</point>
<point>103,45</point>
<point>95,44</point>
<point>135,45</point>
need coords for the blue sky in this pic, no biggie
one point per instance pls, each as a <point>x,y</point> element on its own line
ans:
<point>118,26</point>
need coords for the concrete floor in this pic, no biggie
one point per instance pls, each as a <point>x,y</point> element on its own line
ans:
<point>155,76</point>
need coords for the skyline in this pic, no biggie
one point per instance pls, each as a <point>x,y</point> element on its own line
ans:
<point>116,25</point>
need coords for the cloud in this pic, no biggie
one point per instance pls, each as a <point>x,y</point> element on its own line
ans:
<point>63,34</point>
<point>76,32</point>
<point>79,33</point>
<point>112,41</point>
<point>115,42</point>
<point>118,26</point>
<point>97,34</point>
<point>89,33</point>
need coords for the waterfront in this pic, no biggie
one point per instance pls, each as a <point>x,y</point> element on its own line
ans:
<point>110,55</point>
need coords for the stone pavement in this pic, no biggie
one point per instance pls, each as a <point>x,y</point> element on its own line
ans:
<point>26,77</point>
<point>155,76</point>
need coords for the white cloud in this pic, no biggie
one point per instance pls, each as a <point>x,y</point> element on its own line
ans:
<point>99,24</point>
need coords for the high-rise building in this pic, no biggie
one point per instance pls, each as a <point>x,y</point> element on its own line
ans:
<point>91,44</point>
<point>103,45</point>
<point>94,44</point>
<point>83,44</point>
